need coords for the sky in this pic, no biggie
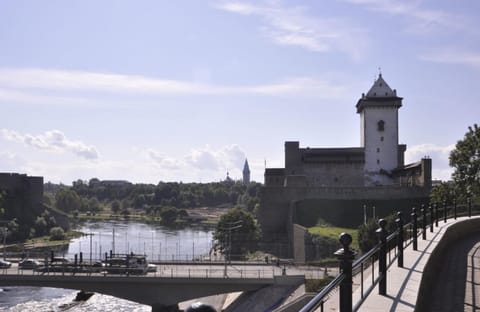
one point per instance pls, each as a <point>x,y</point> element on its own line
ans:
<point>151,91</point>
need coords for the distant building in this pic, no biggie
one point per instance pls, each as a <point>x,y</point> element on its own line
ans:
<point>24,193</point>
<point>316,179</point>
<point>246,173</point>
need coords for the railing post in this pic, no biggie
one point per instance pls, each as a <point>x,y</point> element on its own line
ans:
<point>444,211</point>
<point>469,202</point>
<point>346,255</point>
<point>436,214</point>
<point>424,222</point>
<point>455,208</point>
<point>415,226</point>
<point>382,257</point>
<point>430,207</point>
<point>399,222</point>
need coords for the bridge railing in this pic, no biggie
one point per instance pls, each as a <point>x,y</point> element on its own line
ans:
<point>377,260</point>
<point>163,271</point>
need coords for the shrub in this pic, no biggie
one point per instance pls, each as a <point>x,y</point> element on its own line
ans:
<point>57,233</point>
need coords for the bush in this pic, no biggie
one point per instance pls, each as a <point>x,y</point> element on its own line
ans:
<point>316,285</point>
<point>57,233</point>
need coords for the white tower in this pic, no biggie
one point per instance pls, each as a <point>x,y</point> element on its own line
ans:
<point>378,111</point>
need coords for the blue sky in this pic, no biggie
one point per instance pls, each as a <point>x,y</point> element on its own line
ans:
<point>154,91</point>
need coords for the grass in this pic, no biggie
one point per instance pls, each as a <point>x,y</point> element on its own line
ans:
<point>334,232</point>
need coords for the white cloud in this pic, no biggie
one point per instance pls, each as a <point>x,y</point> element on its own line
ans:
<point>205,159</point>
<point>454,57</point>
<point>421,20</point>
<point>439,155</point>
<point>295,27</point>
<point>30,84</point>
<point>53,140</point>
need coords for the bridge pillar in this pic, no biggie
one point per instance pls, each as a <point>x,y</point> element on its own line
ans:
<point>164,308</point>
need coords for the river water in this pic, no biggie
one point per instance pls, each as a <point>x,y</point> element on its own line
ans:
<point>155,241</point>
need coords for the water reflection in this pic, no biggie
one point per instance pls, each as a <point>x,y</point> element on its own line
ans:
<point>156,241</point>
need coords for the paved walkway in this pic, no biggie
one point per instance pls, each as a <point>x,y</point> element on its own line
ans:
<point>458,284</point>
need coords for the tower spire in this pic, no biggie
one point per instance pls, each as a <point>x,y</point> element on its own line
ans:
<point>246,173</point>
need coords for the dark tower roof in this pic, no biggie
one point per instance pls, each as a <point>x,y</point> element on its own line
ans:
<point>246,169</point>
<point>379,95</point>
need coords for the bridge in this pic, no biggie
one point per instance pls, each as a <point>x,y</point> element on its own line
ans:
<point>163,290</point>
<point>428,264</point>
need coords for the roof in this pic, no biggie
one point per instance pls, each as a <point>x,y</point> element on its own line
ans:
<point>246,168</point>
<point>381,89</point>
<point>379,95</point>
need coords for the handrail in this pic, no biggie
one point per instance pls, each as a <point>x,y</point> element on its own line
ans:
<point>429,217</point>
<point>318,301</point>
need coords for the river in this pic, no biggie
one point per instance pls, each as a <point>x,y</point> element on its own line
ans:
<point>155,241</point>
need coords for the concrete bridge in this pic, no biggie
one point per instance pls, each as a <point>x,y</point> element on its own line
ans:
<point>162,292</point>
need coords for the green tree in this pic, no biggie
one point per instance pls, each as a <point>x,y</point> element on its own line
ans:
<point>93,204</point>
<point>238,229</point>
<point>169,215</point>
<point>367,236</point>
<point>40,226</point>
<point>57,233</point>
<point>465,159</point>
<point>443,192</point>
<point>115,205</point>
<point>68,200</point>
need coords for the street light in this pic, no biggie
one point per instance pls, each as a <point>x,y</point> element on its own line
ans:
<point>231,226</point>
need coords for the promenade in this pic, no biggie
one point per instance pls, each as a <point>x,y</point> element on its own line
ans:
<point>456,282</point>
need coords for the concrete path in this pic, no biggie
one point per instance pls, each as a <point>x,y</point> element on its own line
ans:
<point>456,287</point>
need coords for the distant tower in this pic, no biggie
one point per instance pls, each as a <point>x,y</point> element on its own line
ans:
<point>378,111</point>
<point>246,173</point>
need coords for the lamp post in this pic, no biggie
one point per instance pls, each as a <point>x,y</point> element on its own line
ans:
<point>230,226</point>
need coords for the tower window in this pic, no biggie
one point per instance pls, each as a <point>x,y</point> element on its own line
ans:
<point>381,139</point>
<point>378,150</point>
<point>381,125</point>
<point>378,161</point>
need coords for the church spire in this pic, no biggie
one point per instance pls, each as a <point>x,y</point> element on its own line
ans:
<point>246,173</point>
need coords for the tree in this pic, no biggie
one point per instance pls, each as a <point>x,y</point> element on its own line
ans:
<point>57,233</point>
<point>367,236</point>
<point>68,200</point>
<point>238,229</point>
<point>443,192</point>
<point>169,215</point>
<point>115,206</point>
<point>465,159</point>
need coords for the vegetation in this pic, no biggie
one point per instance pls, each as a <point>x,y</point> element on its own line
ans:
<point>316,285</point>
<point>465,159</point>
<point>367,236</point>
<point>57,233</point>
<point>166,201</point>
<point>237,229</point>
<point>333,233</point>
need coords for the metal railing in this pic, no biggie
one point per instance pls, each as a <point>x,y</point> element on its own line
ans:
<point>389,248</point>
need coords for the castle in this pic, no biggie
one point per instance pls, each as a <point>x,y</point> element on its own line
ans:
<point>336,182</point>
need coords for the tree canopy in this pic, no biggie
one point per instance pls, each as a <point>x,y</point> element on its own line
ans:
<point>238,229</point>
<point>465,159</point>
